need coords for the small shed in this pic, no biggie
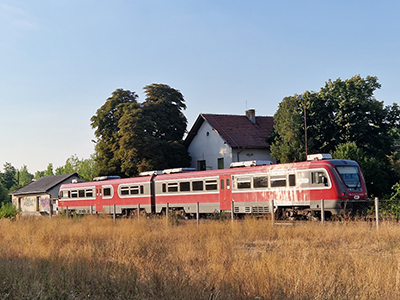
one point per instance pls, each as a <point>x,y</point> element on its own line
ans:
<point>40,195</point>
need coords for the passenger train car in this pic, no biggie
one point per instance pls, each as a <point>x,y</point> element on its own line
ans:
<point>247,187</point>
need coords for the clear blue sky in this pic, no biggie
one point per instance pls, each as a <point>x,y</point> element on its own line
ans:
<point>61,59</point>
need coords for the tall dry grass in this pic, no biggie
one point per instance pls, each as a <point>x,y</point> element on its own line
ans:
<point>93,258</point>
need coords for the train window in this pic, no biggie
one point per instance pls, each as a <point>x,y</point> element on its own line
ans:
<point>164,187</point>
<point>278,181</point>
<point>260,182</point>
<point>107,192</point>
<point>211,185</point>
<point>124,190</point>
<point>222,184</point>
<point>69,194</point>
<point>81,193</point>
<point>318,178</point>
<point>134,190</point>
<point>142,189</point>
<point>74,194</point>
<point>60,194</point>
<point>197,185</point>
<point>243,183</point>
<point>89,193</point>
<point>292,180</point>
<point>172,187</point>
<point>184,186</point>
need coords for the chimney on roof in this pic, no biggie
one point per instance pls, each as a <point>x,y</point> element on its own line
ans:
<point>251,115</point>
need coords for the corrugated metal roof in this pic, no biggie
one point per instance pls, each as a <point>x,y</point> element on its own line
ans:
<point>42,185</point>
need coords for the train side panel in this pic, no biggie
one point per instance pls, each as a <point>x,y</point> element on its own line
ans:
<point>101,196</point>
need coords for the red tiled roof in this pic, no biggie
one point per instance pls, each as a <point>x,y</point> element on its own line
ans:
<point>238,131</point>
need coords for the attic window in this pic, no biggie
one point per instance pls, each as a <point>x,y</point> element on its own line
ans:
<point>207,133</point>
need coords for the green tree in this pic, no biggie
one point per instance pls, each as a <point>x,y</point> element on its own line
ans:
<point>86,168</point>
<point>4,197</point>
<point>341,112</point>
<point>288,144</point>
<point>8,178</point>
<point>147,136</point>
<point>49,170</point>
<point>357,116</point>
<point>24,177</point>
<point>39,174</point>
<point>106,125</point>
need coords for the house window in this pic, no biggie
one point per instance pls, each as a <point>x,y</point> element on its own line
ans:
<point>201,165</point>
<point>220,163</point>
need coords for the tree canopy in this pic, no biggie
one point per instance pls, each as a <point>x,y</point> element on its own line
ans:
<point>86,168</point>
<point>343,111</point>
<point>134,137</point>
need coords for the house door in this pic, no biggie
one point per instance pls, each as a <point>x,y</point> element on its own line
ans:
<point>99,197</point>
<point>225,192</point>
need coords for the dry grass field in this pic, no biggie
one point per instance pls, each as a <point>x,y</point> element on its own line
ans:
<point>93,258</point>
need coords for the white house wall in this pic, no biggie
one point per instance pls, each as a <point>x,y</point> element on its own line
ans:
<point>251,154</point>
<point>209,147</point>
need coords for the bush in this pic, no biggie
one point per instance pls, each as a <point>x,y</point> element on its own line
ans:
<point>8,210</point>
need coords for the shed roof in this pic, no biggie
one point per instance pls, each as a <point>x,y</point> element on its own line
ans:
<point>237,130</point>
<point>42,185</point>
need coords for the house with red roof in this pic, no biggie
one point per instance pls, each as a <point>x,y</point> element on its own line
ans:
<point>217,140</point>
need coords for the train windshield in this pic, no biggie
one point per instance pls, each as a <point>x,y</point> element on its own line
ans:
<point>350,176</point>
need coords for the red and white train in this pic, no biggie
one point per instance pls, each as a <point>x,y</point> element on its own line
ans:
<point>247,187</point>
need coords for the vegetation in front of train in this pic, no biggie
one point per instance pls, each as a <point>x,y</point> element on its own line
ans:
<point>344,116</point>
<point>150,259</point>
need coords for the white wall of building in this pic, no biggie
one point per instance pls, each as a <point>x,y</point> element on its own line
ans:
<point>251,154</point>
<point>209,146</point>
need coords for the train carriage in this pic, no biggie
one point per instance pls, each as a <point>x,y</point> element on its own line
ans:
<point>101,195</point>
<point>248,187</point>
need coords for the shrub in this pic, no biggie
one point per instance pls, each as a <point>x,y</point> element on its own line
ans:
<point>8,210</point>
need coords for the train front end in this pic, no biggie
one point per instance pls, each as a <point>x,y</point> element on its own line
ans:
<point>352,196</point>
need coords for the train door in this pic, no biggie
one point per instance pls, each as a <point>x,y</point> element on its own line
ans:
<point>225,192</point>
<point>99,196</point>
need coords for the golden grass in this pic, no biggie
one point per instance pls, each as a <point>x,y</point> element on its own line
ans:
<point>93,258</point>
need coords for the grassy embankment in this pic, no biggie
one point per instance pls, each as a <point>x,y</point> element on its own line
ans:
<point>93,258</point>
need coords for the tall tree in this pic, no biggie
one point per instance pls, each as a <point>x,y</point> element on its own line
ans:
<point>288,144</point>
<point>147,136</point>
<point>49,170</point>
<point>24,177</point>
<point>105,121</point>
<point>4,197</point>
<point>342,111</point>
<point>8,178</point>
<point>86,168</point>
